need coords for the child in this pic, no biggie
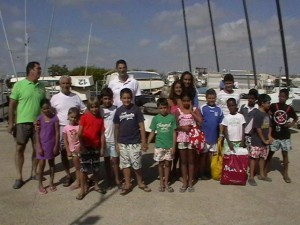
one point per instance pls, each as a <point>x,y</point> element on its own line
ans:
<point>281,114</point>
<point>92,142</point>
<point>233,126</point>
<point>212,117</point>
<point>187,117</point>
<point>188,85</point>
<point>165,142</point>
<point>47,142</point>
<point>111,157</point>
<point>71,142</point>
<point>130,139</point>
<point>248,111</point>
<point>260,139</point>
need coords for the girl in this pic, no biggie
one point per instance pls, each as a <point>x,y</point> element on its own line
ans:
<point>47,140</point>
<point>92,143</point>
<point>188,85</point>
<point>187,118</point>
<point>71,141</point>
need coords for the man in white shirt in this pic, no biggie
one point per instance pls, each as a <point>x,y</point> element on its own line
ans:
<point>62,102</point>
<point>123,81</point>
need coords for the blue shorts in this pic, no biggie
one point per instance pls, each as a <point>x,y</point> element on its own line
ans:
<point>284,145</point>
<point>110,150</point>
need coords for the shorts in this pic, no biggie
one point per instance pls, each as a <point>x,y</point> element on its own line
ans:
<point>130,156</point>
<point>209,148</point>
<point>23,132</point>
<point>90,160</point>
<point>162,154</point>
<point>184,145</point>
<point>284,145</point>
<point>110,150</point>
<point>259,152</point>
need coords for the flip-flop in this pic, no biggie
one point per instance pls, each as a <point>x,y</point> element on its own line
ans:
<point>42,191</point>
<point>161,189</point>
<point>125,191</point>
<point>169,189</point>
<point>52,188</point>
<point>182,189</point>
<point>145,188</point>
<point>191,189</point>
<point>287,180</point>
<point>101,191</point>
<point>80,196</point>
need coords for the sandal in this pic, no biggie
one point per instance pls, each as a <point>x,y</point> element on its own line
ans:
<point>80,196</point>
<point>52,188</point>
<point>68,181</point>
<point>18,184</point>
<point>191,189</point>
<point>170,189</point>
<point>161,189</point>
<point>145,188</point>
<point>182,189</point>
<point>42,191</point>
<point>287,180</point>
<point>125,191</point>
<point>100,190</point>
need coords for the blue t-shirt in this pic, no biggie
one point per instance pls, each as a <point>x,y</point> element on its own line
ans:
<point>128,120</point>
<point>212,117</point>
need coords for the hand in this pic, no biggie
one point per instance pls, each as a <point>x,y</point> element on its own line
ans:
<point>40,152</point>
<point>69,154</point>
<point>144,147</point>
<point>101,152</point>
<point>242,144</point>
<point>173,151</point>
<point>187,128</point>
<point>230,145</point>
<point>37,126</point>
<point>288,125</point>
<point>10,128</point>
<point>118,149</point>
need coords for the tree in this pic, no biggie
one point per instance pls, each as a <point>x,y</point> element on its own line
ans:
<point>56,70</point>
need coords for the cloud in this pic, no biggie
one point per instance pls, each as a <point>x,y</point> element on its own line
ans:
<point>172,44</point>
<point>58,52</point>
<point>106,19</point>
<point>144,42</point>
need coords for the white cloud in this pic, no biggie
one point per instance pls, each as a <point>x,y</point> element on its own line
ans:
<point>58,52</point>
<point>144,42</point>
<point>172,44</point>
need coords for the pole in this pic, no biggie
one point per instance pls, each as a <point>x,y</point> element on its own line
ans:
<point>88,50</point>
<point>26,42</point>
<point>286,67</point>
<point>250,43</point>
<point>186,36</point>
<point>213,34</point>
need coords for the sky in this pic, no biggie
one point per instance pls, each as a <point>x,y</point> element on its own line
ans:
<point>149,34</point>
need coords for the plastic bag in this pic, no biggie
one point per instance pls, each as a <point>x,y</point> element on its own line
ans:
<point>216,163</point>
<point>197,139</point>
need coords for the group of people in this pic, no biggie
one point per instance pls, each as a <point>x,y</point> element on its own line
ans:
<point>112,126</point>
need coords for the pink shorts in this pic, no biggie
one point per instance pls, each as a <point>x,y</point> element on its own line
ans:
<point>259,152</point>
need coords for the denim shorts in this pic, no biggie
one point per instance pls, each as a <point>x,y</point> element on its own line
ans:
<point>284,145</point>
<point>110,150</point>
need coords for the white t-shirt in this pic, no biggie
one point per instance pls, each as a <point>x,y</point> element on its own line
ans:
<point>234,124</point>
<point>116,86</point>
<point>222,98</point>
<point>108,116</point>
<point>62,103</point>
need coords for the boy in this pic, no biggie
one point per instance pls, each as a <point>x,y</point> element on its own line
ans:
<point>165,142</point>
<point>281,114</point>
<point>130,139</point>
<point>212,117</point>
<point>260,139</point>
<point>111,157</point>
<point>248,111</point>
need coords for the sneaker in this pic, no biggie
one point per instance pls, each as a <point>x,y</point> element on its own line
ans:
<point>268,179</point>
<point>252,182</point>
<point>18,184</point>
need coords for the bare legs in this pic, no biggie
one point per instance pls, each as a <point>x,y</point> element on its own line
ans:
<point>187,167</point>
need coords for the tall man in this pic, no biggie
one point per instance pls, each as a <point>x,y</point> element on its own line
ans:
<point>24,108</point>
<point>123,81</point>
<point>62,102</point>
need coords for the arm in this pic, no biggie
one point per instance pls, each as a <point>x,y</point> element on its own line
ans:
<point>174,143</point>
<point>151,136</point>
<point>80,131</point>
<point>116,136</point>
<point>11,114</point>
<point>261,136</point>
<point>55,150</point>
<point>143,136</point>
<point>66,143</point>
<point>227,138</point>
<point>39,149</point>
<point>294,117</point>
<point>103,143</point>
<point>243,145</point>
<point>197,116</point>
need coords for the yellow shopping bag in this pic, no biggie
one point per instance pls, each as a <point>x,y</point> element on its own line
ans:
<point>216,163</point>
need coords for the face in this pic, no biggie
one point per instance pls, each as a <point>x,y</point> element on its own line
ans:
<point>228,86</point>
<point>211,99</point>
<point>35,73</point>
<point>282,97</point>
<point>46,109</point>
<point>187,80</point>
<point>251,100</point>
<point>266,105</point>
<point>232,107</point>
<point>122,69</point>
<point>73,118</point>
<point>65,85</point>
<point>94,109</point>
<point>107,101</point>
<point>163,109</point>
<point>126,99</point>
<point>178,89</point>
<point>186,102</point>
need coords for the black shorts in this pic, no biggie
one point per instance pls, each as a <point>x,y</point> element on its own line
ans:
<point>90,160</point>
<point>23,132</point>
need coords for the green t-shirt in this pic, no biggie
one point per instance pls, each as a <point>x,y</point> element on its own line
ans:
<point>164,126</point>
<point>28,96</point>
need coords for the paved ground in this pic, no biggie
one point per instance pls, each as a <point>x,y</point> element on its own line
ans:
<point>211,203</point>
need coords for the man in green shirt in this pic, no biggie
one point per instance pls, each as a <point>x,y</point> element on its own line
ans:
<point>24,108</point>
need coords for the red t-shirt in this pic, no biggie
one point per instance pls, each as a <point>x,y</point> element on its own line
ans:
<point>92,127</point>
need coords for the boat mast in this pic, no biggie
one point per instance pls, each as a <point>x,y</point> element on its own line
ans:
<point>9,50</point>
<point>88,50</point>
<point>286,67</point>
<point>186,36</point>
<point>213,34</point>
<point>250,42</point>
<point>26,42</point>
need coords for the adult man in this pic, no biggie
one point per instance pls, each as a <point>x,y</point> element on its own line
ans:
<point>123,81</point>
<point>62,102</point>
<point>25,102</point>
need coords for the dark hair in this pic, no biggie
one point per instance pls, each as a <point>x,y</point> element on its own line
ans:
<point>284,91</point>
<point>126,91</point>
<point>173,95</point>
<point>45,101</point>
<point>228,77</point>
<point>162,101</point>
<point>30,66</point>
<point>191,89</point>
<point>106,92</point>
<point>211,91</point>
<point>186,94</point>
<point>74,110</point>
<point>93,101</point>
<point>231,100</point>
<point>253,92</point>
<point>121,61</point>
<point>263,98</point>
